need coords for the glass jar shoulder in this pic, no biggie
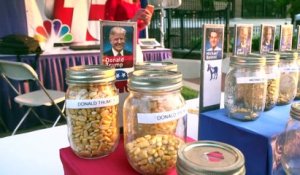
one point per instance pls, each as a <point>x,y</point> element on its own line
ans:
<point>91,91</point>
<point>154,102</point>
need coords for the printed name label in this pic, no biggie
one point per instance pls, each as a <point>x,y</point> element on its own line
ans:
<point>272,76</point>
<point>92,103</point>
<point>152,118</point>
<point>244,80</point>
<point>289,69</point>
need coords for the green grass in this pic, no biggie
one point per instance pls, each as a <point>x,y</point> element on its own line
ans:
<point>188,93</point>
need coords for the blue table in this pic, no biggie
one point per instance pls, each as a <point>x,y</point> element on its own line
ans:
<point>258,140</point>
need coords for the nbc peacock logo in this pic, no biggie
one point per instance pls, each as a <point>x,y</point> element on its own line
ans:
<point>54,32</point>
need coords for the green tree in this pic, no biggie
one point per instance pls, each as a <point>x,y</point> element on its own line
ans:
<point>294,6</point>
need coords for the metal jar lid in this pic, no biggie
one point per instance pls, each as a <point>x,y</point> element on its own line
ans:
<point>272,58</point>
<point>248,60</point>
<point>288,55</point>
<point>154,80</point>
<point>90,74</point>
<point>149,65</point>
<point>210,158</point>
<point>295,111</point>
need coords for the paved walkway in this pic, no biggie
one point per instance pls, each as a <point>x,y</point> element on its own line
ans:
<point>193,83</point>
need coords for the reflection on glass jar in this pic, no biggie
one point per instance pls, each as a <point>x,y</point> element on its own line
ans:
<point>91,107</point>
<point>298,86</point>
<point>154,120</point>
<point>245,87</point>
<point>288,77</point>
<point>290,158</point>
<point>273,76</point>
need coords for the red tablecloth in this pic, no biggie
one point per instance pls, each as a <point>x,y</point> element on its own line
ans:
<point>114,164</point>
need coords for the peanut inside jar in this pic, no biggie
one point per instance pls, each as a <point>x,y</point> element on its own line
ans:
<point>92,107</point>
<point>154,121</point>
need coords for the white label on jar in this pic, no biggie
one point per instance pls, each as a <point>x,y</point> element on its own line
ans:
<point>288,69</point>
<point>92,103</point>
<point>244,80</point>
<point>272,76</point>
<point>152,118</point>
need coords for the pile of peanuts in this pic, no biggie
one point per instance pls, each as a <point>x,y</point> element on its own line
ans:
<point>292,138</point>
<point>153,154</point>
<point>156,105</point>
<point>272,93</point>
<point>252,95</point>
<point>243,113</point>
<point>246,101</point>
<point>93,132</point>
<point>288,87</point>
<point>298,91</point>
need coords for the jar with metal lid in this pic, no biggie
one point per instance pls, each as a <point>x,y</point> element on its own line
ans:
<point>298,86</point>
<point>91,107</point>
<point>273,77</point>
<point>156,65</point>
<point>288,77</point>
<point>210,158</point>
<point>245,87</point>
<point>154,120</point>
<point>290,157</point>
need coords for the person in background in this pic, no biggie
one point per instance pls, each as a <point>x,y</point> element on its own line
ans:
<point>117,38</point>
<point>214,51</point>
<point>243,43</point>
<point>82,16</point>
<point>122,10</point>
<point>286,38</point>
<point>268,35</point>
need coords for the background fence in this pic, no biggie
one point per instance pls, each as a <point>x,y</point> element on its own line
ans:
<point>183,26</point>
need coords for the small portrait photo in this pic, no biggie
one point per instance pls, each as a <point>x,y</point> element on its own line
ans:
<point>243,39</point>
<point>213,39</point>
<point>267,39</point>
<point>286,37</point>
<point>298,38</point>
<point>117,45</point>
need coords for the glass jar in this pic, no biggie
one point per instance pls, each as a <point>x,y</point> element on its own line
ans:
<point>91,108</point>
<point>273,76</point>
<point>298,86</point>
<point>245,87</point>
<point>210,157</point>
<point>156,65</point>
<point>154,120</point>
<point>290,157</point>
<point>288,77</point>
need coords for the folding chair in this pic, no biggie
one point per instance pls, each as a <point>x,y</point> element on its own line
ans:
<point>43,97</point>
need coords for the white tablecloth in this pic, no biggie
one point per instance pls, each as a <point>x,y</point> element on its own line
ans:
<point>33,153</point>
<point>37,152</point>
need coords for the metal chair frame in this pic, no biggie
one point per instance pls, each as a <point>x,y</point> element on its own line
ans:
<point>21,71</point>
